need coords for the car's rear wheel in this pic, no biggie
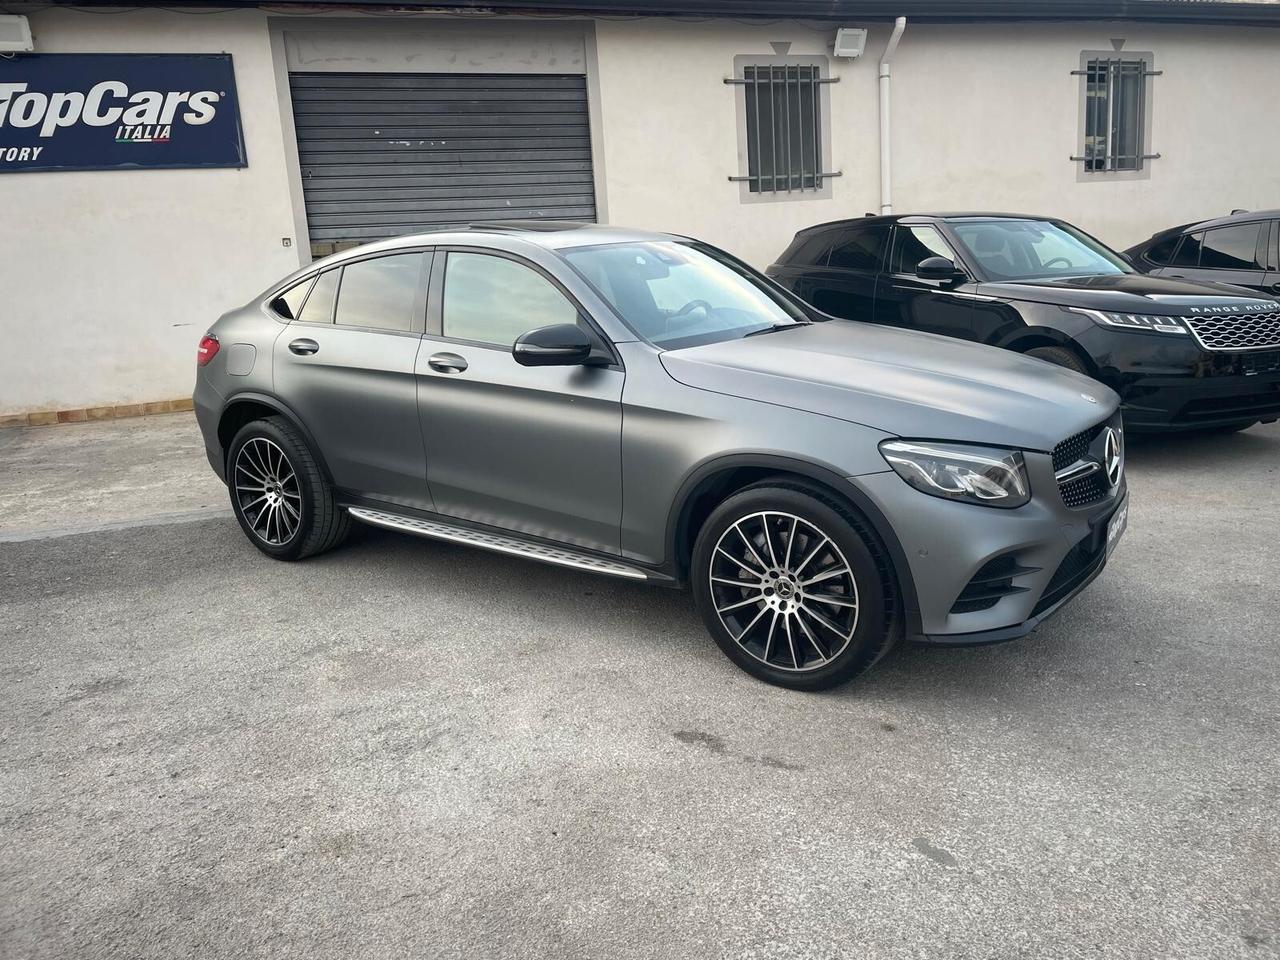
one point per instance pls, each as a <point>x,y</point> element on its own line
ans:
<point>279,494</point>
<point>1059,356</point>
<point>789,584</point>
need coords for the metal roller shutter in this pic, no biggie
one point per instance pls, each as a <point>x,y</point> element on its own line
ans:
<point>384,154</point>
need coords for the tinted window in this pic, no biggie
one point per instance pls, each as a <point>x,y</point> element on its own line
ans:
<point>1188,254</point>
<point>1231,248</point>
<point>809,250</point>
<point>381,293</point>
<point>913,244</point>
<point>860,248</point>
<point>494,300</point>
<point>290,302</point>
<point>1161,251</point>
<point>319,305</point>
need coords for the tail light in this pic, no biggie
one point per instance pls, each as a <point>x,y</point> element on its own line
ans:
<point>207,350</point>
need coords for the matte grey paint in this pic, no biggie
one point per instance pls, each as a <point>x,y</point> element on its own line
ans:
<point>599,457</point>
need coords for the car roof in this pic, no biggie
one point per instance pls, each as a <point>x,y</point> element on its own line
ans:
<point>950,216</point>
<point>1244,216</point>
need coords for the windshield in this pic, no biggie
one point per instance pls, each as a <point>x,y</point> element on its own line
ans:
<point>678,295</point>
<point>1034,250</point>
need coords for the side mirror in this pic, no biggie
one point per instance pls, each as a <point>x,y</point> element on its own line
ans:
<point>559,345</point>
<point>938,268</point>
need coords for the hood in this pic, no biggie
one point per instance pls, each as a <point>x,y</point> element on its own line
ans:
<point>908,384</point>
<point>1133,293</point>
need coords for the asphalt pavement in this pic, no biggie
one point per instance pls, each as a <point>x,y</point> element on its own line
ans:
<point>411,749</point>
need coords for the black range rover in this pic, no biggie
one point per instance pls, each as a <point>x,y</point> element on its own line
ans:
<point>1183,355</point>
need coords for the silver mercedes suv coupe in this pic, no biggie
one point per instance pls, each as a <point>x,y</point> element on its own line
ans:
<point>643,405</point>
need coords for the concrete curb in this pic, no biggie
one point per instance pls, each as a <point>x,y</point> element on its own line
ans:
<point>49,418</point>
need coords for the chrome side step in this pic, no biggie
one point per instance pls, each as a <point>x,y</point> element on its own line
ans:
<point>437,530</point>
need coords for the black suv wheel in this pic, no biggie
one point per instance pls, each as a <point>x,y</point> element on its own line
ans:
<point>786,582</point>
<point>278,493</point>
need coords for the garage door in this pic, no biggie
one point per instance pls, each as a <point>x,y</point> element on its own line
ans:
<point>384,154</point>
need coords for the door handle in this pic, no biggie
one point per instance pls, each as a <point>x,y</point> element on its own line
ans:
<point>304,347</point>
<point>446,362</point>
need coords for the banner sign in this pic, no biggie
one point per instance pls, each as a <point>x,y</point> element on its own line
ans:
<point>109,111</point>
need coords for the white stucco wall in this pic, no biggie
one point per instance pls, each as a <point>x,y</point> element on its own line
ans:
<point>985,117</point>
<point>110,277</point>
<point>107,279</point>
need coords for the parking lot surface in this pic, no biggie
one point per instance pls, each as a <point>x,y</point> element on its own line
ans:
<point>411,749</point>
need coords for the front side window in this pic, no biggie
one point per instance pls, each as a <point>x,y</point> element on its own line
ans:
<point>913,244</point>
<point>494,300</point>
<point>1034,250</point>
<point>860,247</point>
<point>677,295</point>
<point>782,144</point>
<point>1116,107</point>
<point>1231,248</point>
<point>382,293</point>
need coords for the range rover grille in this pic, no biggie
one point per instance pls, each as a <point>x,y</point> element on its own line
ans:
<point>1236,331</point>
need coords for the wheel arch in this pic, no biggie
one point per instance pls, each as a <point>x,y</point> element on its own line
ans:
<point>1031,337</point>
<point>709,484</point>
<point>244,408</point>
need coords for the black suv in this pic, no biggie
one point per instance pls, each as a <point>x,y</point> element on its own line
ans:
<point>1242,249</point>
<point>1183,355</point>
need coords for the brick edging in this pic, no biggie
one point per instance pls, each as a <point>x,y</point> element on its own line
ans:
<point>47,418</point>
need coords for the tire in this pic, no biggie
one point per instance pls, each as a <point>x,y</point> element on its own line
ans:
<point>280,497</point>
<point>1059,356</point>
<point>775,631</point>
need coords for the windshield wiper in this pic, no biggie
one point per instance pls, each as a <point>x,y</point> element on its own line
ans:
<point>777,326</point>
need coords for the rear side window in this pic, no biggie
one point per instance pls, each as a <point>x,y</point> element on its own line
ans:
<point>1188,254</point>
<point>808,250</point>
<point>1231,248</point>
<point>319,305</point>
<point>289,303</point>
<point>913,244</point>
<point>494,300</point>
<point>1161,252</point>
<point>860,248</point>
<point>382,293</point>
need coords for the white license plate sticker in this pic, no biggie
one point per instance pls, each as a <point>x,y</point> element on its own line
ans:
<point>1116,525</point>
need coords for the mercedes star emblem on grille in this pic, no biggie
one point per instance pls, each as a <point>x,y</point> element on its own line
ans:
<point>1112,456</point>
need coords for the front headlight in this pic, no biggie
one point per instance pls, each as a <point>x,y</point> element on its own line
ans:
<point>1134,321</point>
<point>983,475</point>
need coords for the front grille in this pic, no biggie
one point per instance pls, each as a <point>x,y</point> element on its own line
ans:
<point>1236,331</point>
<point>1084,490</point>
<point>992,583</point>
<point>1074,448</point>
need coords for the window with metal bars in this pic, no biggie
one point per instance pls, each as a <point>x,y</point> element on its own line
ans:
<point>1116,101</point>
<point>782,109</point>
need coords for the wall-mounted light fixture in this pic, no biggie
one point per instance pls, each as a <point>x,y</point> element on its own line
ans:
<point>850,42</point>
<point>15,34</point>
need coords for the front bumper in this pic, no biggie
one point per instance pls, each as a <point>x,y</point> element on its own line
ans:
<point>1049,551</point>
<point>1170,384</point>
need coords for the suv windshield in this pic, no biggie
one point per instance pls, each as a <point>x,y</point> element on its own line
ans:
<point>679,295</point>
<point>1034,250</point>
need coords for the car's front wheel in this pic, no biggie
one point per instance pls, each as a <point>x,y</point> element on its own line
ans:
<point>792,586</point>
<point>279,494</point>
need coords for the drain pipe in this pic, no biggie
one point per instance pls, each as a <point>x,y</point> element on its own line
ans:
<point>886,174</point>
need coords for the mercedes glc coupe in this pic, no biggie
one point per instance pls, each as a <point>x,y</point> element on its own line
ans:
<point>646,406</point>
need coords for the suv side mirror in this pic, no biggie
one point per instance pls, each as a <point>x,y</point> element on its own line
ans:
<point>938,268</point>
<point>559,345</point>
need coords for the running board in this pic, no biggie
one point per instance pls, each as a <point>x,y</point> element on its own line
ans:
<point>437,530</point>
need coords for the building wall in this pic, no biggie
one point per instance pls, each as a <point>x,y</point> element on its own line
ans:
<point>110,277</point>
<point>985,117</point>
